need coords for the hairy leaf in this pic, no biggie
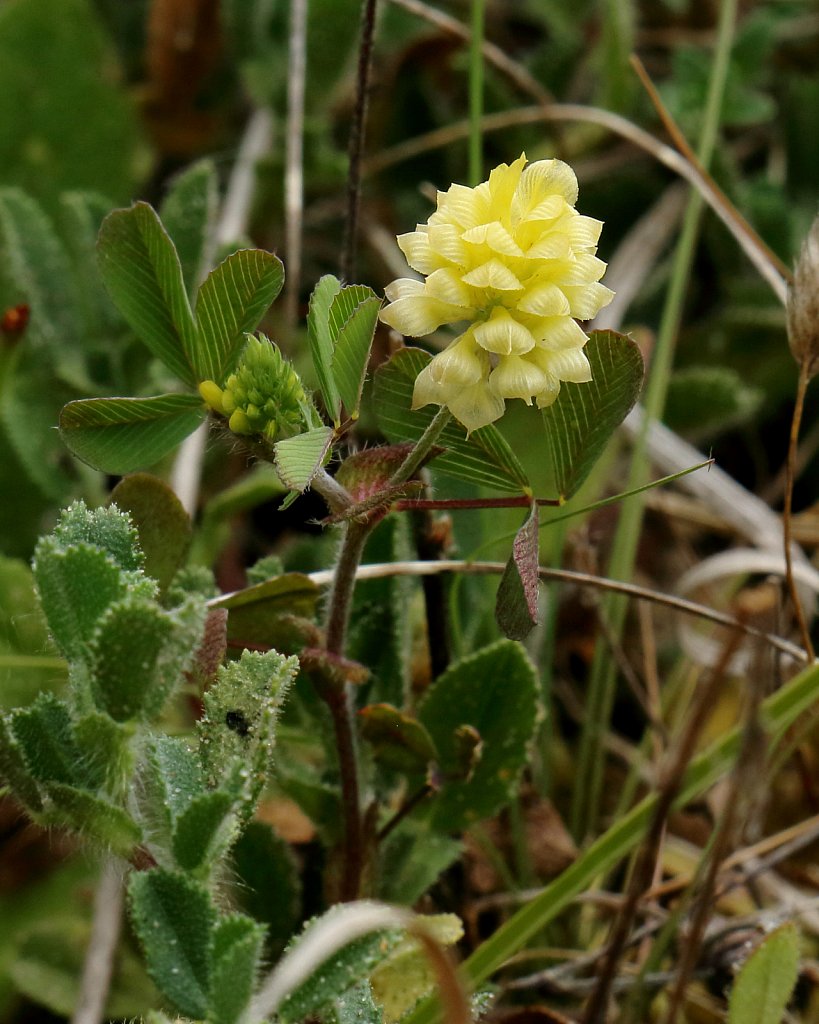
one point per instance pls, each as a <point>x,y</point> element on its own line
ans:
<point>766,980</point>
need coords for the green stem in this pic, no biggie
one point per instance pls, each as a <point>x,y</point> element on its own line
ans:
<point>416,458</point>
<point>778,712</point>
<point>587,793</point>
<point>476,92</point>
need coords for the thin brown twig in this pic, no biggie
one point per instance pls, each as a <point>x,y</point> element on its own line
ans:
<point>382,569</point>
<point>357,134</point>
<point>787,510</point>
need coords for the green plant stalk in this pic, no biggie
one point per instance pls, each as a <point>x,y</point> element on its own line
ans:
<point>476,92</point>
<point>778,712</point>
<point>341,703</point>
<point>586,796</point>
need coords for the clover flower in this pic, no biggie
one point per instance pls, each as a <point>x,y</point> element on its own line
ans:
<point>262,396</point>
<point>514,260</point>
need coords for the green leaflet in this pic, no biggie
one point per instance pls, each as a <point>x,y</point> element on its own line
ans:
<point>484,458</point>
<point>581,422</point>
<point>321,342</point>
<point>493,691</point>
<point>766,980</point>
<point>237,948</point>
<point>119,435</point>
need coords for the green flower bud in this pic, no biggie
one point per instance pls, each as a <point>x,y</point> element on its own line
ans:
<point>263,395</point>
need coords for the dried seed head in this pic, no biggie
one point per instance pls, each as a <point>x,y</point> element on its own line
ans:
<point>803,304</point>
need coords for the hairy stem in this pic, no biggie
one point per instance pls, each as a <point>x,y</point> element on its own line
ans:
<point>340,703</point>
<point>787,511</point>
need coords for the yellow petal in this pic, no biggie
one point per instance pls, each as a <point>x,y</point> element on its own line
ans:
<point>547,209</point>
<point>417,315</point>
<point>476,406</point>
<point>212,394</point>
<point>464,206</point>
<point>548,395</point>
<point>503,334</point>
<point>445,240</point>
<point>460,365</point>
<point>448,286</point>
<point>495,236</point>
<point>415,246</point>
<point>569,364</point>
<point>427,391</point>
<point>403,287</point>
<point>555,333</point>
<point>555,245</point>
<point>492,274</point>
<point>585,269</point>
<point>544,299</point>
<point>587,300</point>
<point>545,178</point>
<point>518,377</point>
<point>503,182</point>
<point>584,231</point>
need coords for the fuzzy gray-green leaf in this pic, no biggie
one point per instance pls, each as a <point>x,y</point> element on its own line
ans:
<point>204,830</point>
<point>174,918</point>
<point>237,948</point>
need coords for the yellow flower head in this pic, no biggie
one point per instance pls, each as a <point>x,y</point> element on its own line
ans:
<point>515,260</point>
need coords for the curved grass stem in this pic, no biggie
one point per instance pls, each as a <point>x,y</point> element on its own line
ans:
<point>787,510</point>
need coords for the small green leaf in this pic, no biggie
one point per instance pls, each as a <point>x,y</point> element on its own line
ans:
<point>516,607</point>
<point>582,421</point>
<point>46,738</point>
<point>139,652</point>
<point>484,458</point>
<point>337,973</point>
<point>105,751</point>
<point>231,302</point>
<point>321,342</point>
<point>766,980</point>
<point>241,711</point>
<point>299,458</point>
<point>163,525</point>
<point>142,273</point>
<point>75,586</point>
<point>93,817</point>
<point>352,339</point>
<point>267,882</point>
<point>119,435</point>
<point>255,613</point>
<point>189,212</point>
<point>171,780</point>
<point>174,919</point>
<point>493,692</point>
<point>237,947</point>
<point>203,831</point>
<point>15,772</point>
<point>109,529</point>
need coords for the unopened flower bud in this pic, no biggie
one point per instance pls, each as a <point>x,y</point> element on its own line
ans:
<point>803,304</point>
<point>263,395</point>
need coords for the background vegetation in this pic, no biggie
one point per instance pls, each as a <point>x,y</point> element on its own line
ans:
<point>103,102</point>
